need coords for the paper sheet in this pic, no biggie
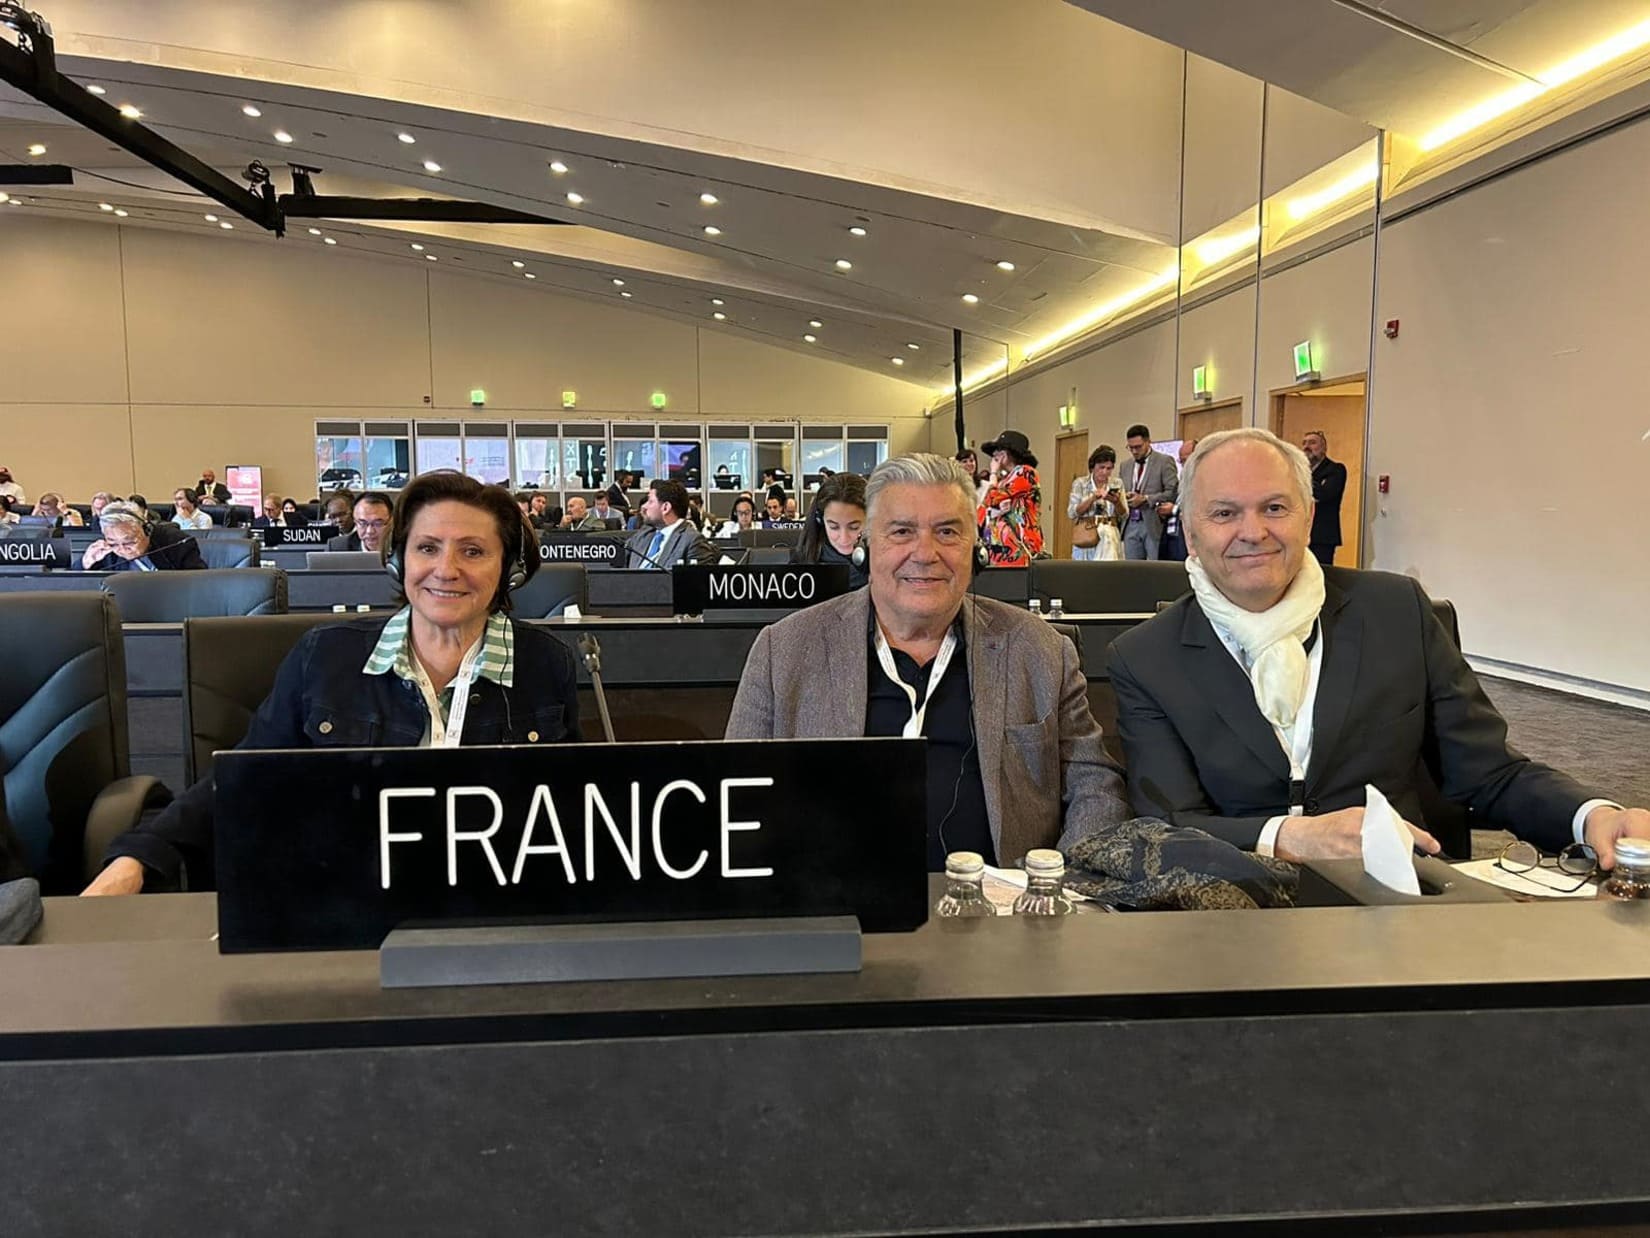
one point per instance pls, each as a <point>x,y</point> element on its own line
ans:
<point>1389,847</point>
<point>1002,886</point>
<point>1537,883</point>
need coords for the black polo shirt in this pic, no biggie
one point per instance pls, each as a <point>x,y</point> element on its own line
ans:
<point>957,819</point>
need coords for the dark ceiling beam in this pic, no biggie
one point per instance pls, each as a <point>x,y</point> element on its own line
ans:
<point>35,174</point>
<point>406,210</point>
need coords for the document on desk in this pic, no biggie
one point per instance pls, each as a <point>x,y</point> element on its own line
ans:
<point>1388,846</point>
<point>1001,886</point>
<point>1537,883</point>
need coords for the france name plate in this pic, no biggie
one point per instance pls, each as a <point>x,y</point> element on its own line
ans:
<point>330,849</point>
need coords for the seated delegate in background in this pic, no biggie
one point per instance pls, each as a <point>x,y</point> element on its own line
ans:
<point>210,489</point>
<point>131,544</point>
<point>538,511</point>
<point>448,667</point>
<point>791,510</point>
<point>602,509</point>
<point>1014,755</point>
<point>371,521</point>
<point>580,519</point>
<point>665,537</point>
<point>617,497</point>
<point>834,525</point>
<point>100,500</point>
<point>1098,503</point>
<point>186,513</point>
<point>775,513</point>
<point>1258,707</point>
<point>744,517</point>
<point>1009,515</point>
<point>293,514</point>
<point>272,518</point>
<point>7,515</point>
<point>340,511</point>
<point>51,506</point>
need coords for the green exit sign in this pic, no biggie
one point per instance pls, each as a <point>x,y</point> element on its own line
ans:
<point>569,399</point>
<point>1306,366</point>
<point>478,396</point>
<point>658,399</point>
<point>1200,383</point>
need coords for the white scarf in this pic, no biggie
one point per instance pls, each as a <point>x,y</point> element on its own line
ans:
<point>1273,640</point>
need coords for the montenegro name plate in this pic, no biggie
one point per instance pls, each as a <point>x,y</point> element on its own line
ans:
<point>331,849</point>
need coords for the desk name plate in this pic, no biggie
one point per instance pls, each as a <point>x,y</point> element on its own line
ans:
<point>595,549</point>
<point>695,589</point>
<point>46,552</point>
<point>332,848</point>
<point>302,535</point>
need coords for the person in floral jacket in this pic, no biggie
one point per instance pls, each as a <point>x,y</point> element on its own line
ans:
<point>1010,512</point>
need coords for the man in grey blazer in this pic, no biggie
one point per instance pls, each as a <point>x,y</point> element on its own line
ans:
<point>1014,755</point>
<point>1150,479</point>
<point>665,539</point>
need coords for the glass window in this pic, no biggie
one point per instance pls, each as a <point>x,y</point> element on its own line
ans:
<point>633,449</point>
<point>487,454</point>
<point>584,459</point>
<point>439,451</point>
<point>863,457</point>
<point>338,462</point>
<point>389,462</point>
<point>730,458</point>
<point>682,462</point>
<point>538,459</point>
<point>819,452</point>
<point>776,450</point>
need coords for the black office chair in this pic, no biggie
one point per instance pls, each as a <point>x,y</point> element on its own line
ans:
<point>64,758</point>
<point>172,597</point>
<point>229,667</point>
<point>1073,633</point>
<point>554,587</point>
<point>1119,586</point>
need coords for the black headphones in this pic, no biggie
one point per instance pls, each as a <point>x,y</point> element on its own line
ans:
<point>860,556</point>
<point>396,567</point>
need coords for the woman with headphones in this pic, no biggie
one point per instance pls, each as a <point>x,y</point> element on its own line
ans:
<point>834,524</point>
<point>449,667</point>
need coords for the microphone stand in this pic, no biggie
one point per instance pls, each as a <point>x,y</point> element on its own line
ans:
<point>592,653</point>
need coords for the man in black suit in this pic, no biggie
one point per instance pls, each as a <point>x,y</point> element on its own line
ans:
<point>209,487</point>
<point>1259,707</point>
<point>1328,488</point>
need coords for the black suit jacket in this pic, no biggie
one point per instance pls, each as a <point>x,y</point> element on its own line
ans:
<point>217,490</point>
<point>1393,692</point>
<point>170,549</point>
<point>1328,487</point>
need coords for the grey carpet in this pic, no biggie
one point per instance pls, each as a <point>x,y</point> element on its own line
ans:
<point>1603,746</point>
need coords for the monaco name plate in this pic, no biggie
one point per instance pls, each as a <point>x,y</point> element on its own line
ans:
<point>694,589</point>
<point>331,849</point>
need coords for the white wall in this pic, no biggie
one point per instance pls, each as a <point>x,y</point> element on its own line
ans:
<point>139,357</point>
<point>1507,412</point>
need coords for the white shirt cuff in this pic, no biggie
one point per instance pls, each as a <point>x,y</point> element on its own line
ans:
<point>1267,843</point>
<point>1578,825</point>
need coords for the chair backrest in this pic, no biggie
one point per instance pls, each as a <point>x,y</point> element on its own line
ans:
<point>770,555</point>
<point>1445,610</point>
<point>343,561</point>
<point>62,722</point>
<point>554,587</point>
<point>1071,632</point>
<point>228,549</point>
<point>172,597</point>
<point>229,668</point>
<point>1119,586</point>
<point>219,513</point>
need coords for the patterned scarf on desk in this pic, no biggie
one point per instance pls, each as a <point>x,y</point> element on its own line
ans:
<point>1149,865</point>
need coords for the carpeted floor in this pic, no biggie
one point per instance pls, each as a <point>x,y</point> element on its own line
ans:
<point>1603,746</point>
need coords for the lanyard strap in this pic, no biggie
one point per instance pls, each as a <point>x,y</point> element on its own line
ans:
<point>446,732</point>
<point>913,727</point>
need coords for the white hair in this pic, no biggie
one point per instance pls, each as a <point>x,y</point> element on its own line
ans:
<point>919,468</point>
<point>1299,467</point>
<point>120,512</point>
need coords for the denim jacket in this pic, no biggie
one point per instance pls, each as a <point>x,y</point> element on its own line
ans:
<point>321,699</point>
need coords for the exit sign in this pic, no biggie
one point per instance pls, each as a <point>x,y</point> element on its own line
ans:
<point>658,399</point>
<point>1306,365</point>
<point>478,396</point>
<point>1200,383</point>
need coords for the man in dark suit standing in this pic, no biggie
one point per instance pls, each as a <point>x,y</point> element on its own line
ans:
<point>1151,480</point>
<point>1259,707</point>
<point>665,538</point>
<point>1328,488</point>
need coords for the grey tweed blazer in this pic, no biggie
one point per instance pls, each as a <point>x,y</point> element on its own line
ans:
<point>1041,758</point>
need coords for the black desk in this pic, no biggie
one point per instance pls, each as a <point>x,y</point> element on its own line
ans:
<point>996,1074</point>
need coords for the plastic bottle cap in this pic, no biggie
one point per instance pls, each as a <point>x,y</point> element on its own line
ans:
<point>1044,861</point>
<point>1633,851</point>
<point>968,865</point>
<point>362,608</point>
<point>340,609</point>
<point>1057,603</point>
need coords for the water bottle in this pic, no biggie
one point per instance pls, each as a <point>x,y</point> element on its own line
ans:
<point>1630,878</point>
<point>1045,893</point>
<point>1035,606</point>
<point>963,896</point>
<point>1056,608</point>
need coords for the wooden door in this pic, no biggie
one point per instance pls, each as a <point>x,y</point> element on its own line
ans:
<point>1341,418</point>
<point>1071,461</point>
<point>1204,420</point>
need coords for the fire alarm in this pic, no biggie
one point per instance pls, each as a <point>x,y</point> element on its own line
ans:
<point>1391,328</point>
<point>1384,483</point>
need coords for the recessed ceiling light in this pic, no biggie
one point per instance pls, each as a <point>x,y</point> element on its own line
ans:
<point>37,149</point>
<point>315,232</point>
<point>517,263</point>
<point>1005,265</point>
<point>842,264</point>
<point>913,347</point>
<point>557,166</point>
<point>6,197</point>
<point>713,230</point>
<point>130,112</point>
<point>430,258</point>
<point>970,299</point>
<point>282,136</point>
<point>406,137</point>
<point>897,360</point>
<point>249,110</point>
<point>719,316</point>
<point>618,283</point>
<point>575,198</point>
<point>856,230</point>
<point>417,248</point>
<point>815,323</point>
<point>430,165</point>
<point>104,206</point>
<point>709,199</point>
<point>624,294</point>
<point>226,225</point>
<point>329,240</point>
<point>529,275</point>
<point>810,338</point>
<point>96,90</point>
<point>717,301</point>
<point>120,213</point>
<point>211,219</point>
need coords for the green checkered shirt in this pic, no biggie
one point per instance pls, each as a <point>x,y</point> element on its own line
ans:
<point>496,661</point>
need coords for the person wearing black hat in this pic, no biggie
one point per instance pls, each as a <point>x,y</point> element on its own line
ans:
<point>1010,510</point>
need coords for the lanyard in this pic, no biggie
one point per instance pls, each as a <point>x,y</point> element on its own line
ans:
<point>913,728</point>
<point>448,733</point>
